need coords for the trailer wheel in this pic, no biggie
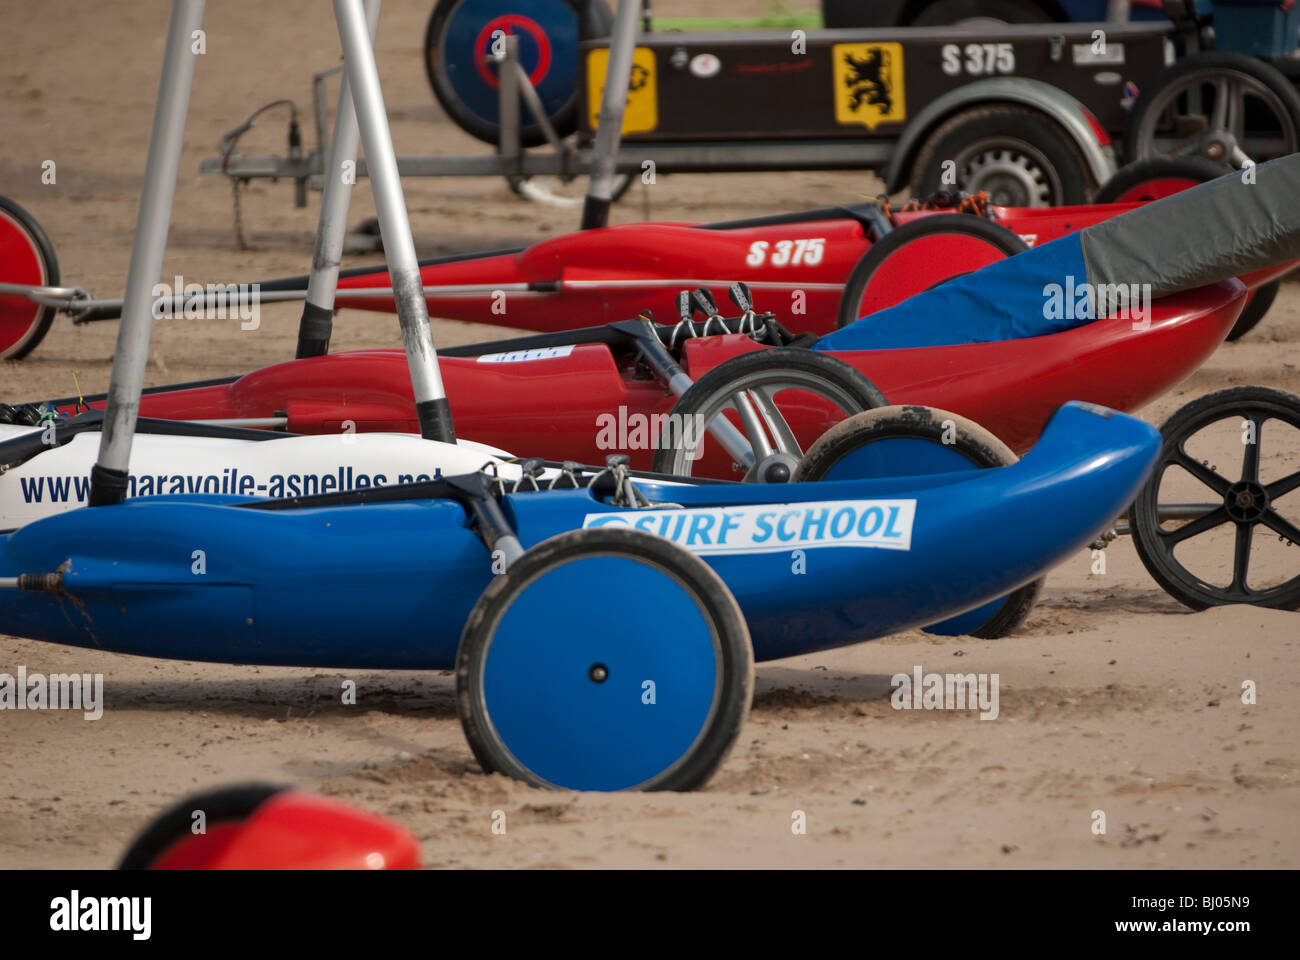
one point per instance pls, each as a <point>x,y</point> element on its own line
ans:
<point>817,385</point>
<point>642,685</point>
<point>459,37</point>
<point>1244,513</point>
<point>909,441</point>
<point>169,841</point>
<point>27,257</point>
<point>1226,107</point>
<point>1018,155</point>
<point>922,254</point>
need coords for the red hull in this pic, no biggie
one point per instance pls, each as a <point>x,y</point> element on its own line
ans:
<point>552,407</point>
<point>606,275</point>
<point>602,276</point>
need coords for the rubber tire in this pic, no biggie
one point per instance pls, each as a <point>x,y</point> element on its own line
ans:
<point>957,132</point>
<point>565,120</point>
<point>1132,176</point>
<point>846,377</point>
<point>1258,302</point>
<point>1173,578</point>
<point>45,249</point>
<point>222,805</point>
<point>995,234</point>
<point>943,13</point>
<point>977,444</point>
<point>728,715</point>
<point>1196,63</point>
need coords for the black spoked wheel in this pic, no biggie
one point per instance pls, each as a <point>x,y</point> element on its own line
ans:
<point>1217,522</point>
<point>913,440</point>
<point>1226,107</point>
<point>760,393</point>
<point>563,680</point>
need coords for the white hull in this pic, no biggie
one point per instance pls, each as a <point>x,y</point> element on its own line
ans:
<point>58,479</point>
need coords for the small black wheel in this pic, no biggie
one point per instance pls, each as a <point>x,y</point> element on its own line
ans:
<point>914,440</point>
<point>816,387</point>
<point>920,255</point>
<point>1243,515</point>
<point>1158,177</point>
<point>1258,302</point>
<point>605,659</point>
<point>1018,155</point>
<point>169,841</point>
<point>979,13</point>
<point>1226,107</point>
<point>27,257</point>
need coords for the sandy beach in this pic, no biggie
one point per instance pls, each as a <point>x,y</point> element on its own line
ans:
<point>1113,697</point>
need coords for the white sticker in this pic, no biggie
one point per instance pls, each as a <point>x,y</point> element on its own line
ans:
<point>775,527</point>
<point>1107,78</point>
<point>1085,55</point>
<point>523,356</point>
<point>1029,238</point>
<point>705,65</point>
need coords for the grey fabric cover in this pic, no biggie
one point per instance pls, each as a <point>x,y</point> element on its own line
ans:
<point>1220,229</point>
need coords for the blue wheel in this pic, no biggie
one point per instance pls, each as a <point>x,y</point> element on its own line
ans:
<point>913,441</point>
<point>458,41</point>
<point>605,660</point>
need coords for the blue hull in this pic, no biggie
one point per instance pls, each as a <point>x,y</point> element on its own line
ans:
<point>390,585</point>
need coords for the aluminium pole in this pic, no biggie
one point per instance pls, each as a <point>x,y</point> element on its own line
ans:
<point>609,127</point>
<point>431,405</point>
<point>109,476</point>
<point>317,321</point>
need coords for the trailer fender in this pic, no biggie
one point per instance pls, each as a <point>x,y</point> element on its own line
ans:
<point>1060,106</point>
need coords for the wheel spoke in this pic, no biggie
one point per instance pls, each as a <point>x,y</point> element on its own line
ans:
<point>1280,525</point>
<point>1223,94</point>
<point>776,422</point>
<point>1250,458</point>
<point>1241,557</point>
<point>1279,488</point>
<point>1236,120</point>
<point>749,422</point>
<point>1201,472</point>
<point>1214,518</point>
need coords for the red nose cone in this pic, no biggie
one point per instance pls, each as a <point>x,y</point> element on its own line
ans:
<point>295,830</point>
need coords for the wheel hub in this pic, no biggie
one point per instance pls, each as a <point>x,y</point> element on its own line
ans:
<point>1246,501</point>
<point>775,468</point>
<point>1010,179</point>
<point>1218,145</point>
